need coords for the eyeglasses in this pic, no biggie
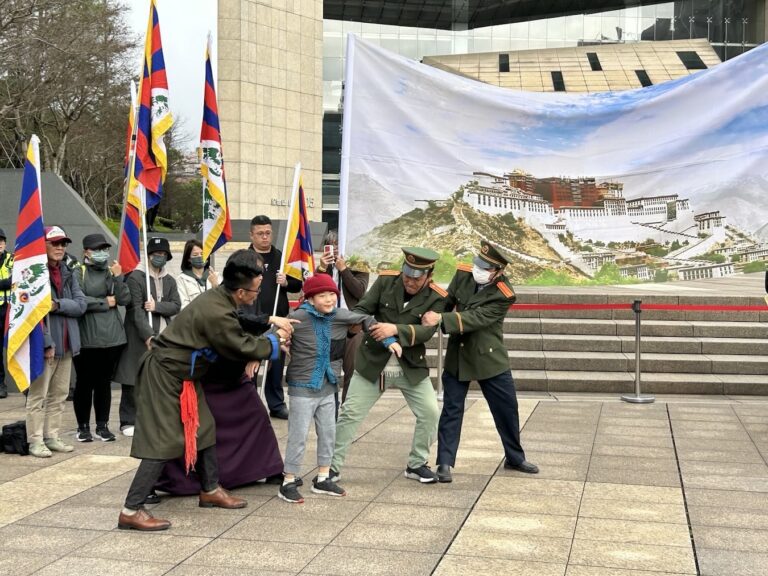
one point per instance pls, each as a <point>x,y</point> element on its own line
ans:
<point>250,290</point>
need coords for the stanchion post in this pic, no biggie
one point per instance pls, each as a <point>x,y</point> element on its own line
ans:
<point>637,397</point>
<point>439,364</point>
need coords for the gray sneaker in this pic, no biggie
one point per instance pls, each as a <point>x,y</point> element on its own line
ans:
<point>327,487</point>
<point>423,474</point>
<point>57,445</point>
<point>290,493</point>
<point>39,450</point>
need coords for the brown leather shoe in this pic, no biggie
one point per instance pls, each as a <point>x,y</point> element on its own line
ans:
<point>142,520</point>
<point>221,499</point>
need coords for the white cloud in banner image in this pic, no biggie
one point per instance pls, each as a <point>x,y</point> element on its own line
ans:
<point>184,25</point>
<point>419,132</point>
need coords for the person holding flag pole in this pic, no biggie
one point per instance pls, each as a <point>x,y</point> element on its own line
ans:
<point>286,269</point>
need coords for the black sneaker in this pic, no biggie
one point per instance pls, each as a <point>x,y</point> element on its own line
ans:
<point>103,434</point>
<point>84,434</point>
<point>423,474</point>
<point>334,476</point>
<point>328,487</point>
<point>290,493</point>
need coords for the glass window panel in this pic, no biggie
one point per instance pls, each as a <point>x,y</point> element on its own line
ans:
<point>519,30</point>
<point>409,47</point>
<point>666,10</point>
<point>648,11</point>
<point>537,29</point>
<point>332,25</point>
<point>427,47</point>
<point>500,44</point>
<point>445,46</point>
<point>608,27</point>
<point>391,43</point>
<point>556,29</point>
<point>482,45</point>
<point>574,27</point>
<point>518,44</point>
<point>333,47</point>
<point>592,27</point>
<point>332,69</point>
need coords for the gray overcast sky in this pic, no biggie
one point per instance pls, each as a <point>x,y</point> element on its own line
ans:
<point>184,26</point>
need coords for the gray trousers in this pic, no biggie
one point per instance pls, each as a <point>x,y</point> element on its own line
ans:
<point>303,410</point>
<point>46,398</point>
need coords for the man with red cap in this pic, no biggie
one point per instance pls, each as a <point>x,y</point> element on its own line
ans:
<point>48,393</point>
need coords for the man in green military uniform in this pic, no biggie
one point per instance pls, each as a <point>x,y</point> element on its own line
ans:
<point>172,417</point>
<point>478,299</point>
<point>397,300</point>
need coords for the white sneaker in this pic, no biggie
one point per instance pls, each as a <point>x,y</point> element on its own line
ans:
<point>127,431</point>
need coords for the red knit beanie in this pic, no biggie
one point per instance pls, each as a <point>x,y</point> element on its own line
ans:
<point>319,283</point>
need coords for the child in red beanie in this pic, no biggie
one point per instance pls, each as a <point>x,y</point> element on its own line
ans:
<point>317,349</point>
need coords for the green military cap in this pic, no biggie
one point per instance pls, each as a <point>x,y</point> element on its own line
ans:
<point>418,261</point>
<point>489,257</point>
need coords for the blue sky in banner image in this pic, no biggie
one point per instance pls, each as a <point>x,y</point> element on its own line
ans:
<point>423,131</point>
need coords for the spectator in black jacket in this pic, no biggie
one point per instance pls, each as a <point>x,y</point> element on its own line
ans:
<point>261,242</point>
<point>6,268</point>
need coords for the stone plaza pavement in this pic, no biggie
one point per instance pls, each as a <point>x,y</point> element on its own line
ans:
<point>676,487</point>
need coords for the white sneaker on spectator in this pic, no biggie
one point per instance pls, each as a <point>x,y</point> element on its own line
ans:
<point>127,431</point>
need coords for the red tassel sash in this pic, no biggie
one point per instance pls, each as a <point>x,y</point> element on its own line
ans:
<point>190,419</point>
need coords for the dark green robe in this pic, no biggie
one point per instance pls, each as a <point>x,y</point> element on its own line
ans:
<point>209,321</point>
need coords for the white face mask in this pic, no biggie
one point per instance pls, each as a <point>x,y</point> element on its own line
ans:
<point>481,276</point>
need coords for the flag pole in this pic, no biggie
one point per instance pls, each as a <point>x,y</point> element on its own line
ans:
<point>294,189</point>
<point>142,195</point>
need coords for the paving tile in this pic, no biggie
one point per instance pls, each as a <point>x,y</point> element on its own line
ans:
<point>339,509</point>
<point>647,432</point>
<point>633,476</point>
<point>44,540</point>
<point>634,422</point>
<point>10,470</point>
<point>364,483</point>
<point>755,470</point>
<point>635,439</point>
<point>300,531</point>
<point>170,505</point>
<point>402,515</point>
<point>77,566</point>
<point>566,447</point>
<point>530,503</point>
<point>128,545</point>
<point>531,485</point>
<point>549,471</point>
<point>340,561</point>
<point>453,565</point>
<point>731,562</point>
<point>715,537</point>
<point>728,517</point>
<point>632,556</point>
<point>276,556</point>
<point>597,571</point>
<point>731,498</point>
<point>472,542</point>
<point>20,563</point>
<point>391,537</point>
<point>428,495</point>
<point>657,533</point>
<point>633,510</point>
<point>68,516</point>
<point>634,462</point>
<point>725,482</point>
<point>635,493</point>
<point>720,456</point>
<point>637,451</point>
<point>187,569</point>
<point>519,523</point>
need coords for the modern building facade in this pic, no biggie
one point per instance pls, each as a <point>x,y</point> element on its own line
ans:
<point>281,66</point>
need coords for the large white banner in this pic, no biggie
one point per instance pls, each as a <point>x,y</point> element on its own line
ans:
<point>652,182</point>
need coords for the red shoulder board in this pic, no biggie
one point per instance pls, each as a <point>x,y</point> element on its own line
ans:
<point>439,290</point>
<point>504,289</point>
<point>464,267</point>
<point>389,273</point>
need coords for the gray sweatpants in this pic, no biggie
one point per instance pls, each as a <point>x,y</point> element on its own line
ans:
<point>302,411</point>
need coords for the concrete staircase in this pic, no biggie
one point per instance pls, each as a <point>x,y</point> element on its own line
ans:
<point>594,350</point>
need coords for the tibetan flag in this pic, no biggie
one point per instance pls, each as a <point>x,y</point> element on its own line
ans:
<point>154,115</point>
<point>298,261</point>
<point>30,297</point>
<point>217,229</point>
<point>128,247</point>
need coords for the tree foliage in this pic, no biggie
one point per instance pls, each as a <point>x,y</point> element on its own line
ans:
<point>65,68</point>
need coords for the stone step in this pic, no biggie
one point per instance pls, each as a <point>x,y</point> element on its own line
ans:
<point>660,328</point>
<point>570,361</point>
<point>649,344</point>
